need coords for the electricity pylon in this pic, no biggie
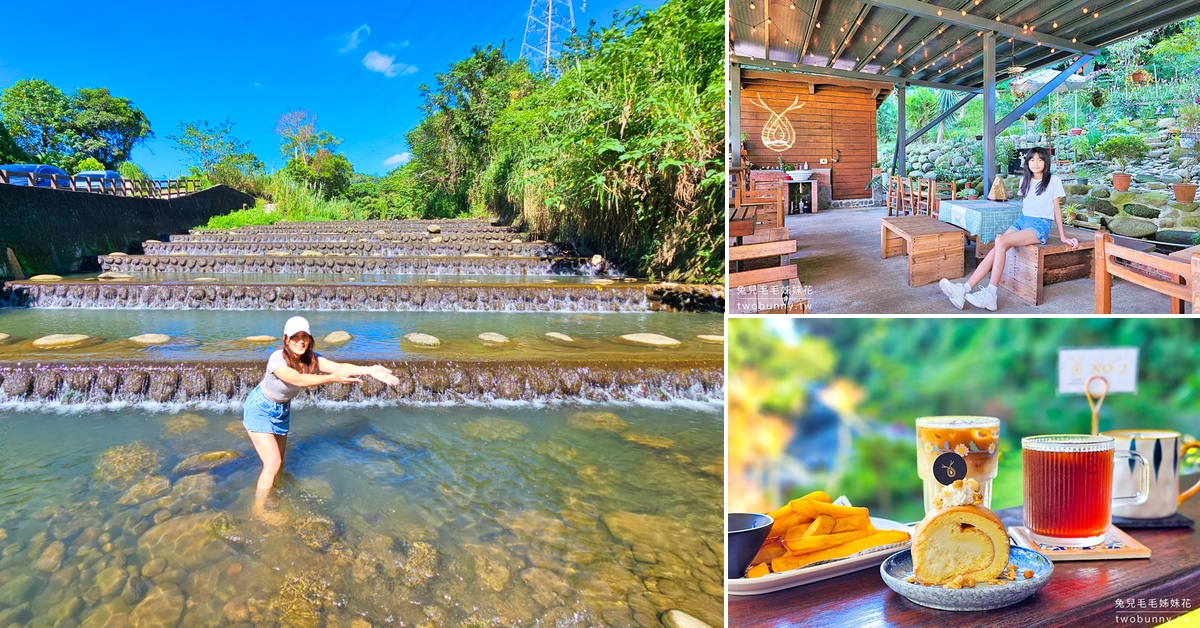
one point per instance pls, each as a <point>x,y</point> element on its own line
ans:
<point>549,24</point>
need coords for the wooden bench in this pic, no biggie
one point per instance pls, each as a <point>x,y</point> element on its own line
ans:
<point>1028,269</point>
<point>934,248</point>
<point>1113,260</point>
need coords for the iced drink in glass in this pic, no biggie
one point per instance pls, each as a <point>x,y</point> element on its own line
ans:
<point>975,438</point>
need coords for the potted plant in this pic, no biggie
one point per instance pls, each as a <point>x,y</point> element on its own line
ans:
<point>1139,76</point>
<point>1184,192</point>
<point>1085,174</point>
<point>1123,150</point>
<point>1189,126</point>
<point>1008,156</point>
<point>1069,212</point>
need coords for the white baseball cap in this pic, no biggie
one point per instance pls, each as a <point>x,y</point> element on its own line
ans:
<point>295,325</point>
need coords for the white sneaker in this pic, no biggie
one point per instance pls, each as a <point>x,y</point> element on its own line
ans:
<point>983,298</point>
<point>956,291</point>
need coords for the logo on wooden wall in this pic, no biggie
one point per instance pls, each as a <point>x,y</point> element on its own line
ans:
<point>778,134</point>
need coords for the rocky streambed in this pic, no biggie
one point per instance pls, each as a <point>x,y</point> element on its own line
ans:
<point>422,518</point>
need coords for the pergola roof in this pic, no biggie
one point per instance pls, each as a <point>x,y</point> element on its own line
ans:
<point>937,43</point>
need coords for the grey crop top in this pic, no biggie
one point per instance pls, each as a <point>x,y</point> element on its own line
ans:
<point>275,388</point>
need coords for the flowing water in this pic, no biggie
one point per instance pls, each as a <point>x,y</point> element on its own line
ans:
<point>543,481</point>
<point>598,516</point>
<point>220,335</point>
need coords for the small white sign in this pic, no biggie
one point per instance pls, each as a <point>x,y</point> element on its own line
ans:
<point>1117,365</point>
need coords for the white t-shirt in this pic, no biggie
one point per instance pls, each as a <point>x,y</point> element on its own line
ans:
<point>1042,205</point>
<point>276,388</point>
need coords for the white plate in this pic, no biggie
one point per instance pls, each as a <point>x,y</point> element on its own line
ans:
<point>807,575</point>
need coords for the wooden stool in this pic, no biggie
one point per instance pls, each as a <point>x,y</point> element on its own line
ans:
<point>1027,269</point>
<point>934,248</point>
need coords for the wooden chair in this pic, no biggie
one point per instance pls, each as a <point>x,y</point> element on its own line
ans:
<point>893,195</point>
<point>942,191</point>
<point>1179,279</point>
<point>767,199</point>
<point>907,196</point>
<point>922,199</point>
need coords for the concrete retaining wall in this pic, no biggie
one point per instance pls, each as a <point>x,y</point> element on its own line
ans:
<point>59,231</point>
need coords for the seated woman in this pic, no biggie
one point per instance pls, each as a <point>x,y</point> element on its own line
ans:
<point>1040,193</point>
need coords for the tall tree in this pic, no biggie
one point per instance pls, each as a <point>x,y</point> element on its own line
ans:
<point>207,145</point>
<point>39,117</point>
<point>107,128</point>
<point>300,137</point>
<point>10,153</point>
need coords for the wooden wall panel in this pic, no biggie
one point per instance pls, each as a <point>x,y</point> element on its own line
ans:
<point>835,122</point>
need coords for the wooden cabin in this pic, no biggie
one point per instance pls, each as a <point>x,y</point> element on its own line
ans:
<point>831,119</point>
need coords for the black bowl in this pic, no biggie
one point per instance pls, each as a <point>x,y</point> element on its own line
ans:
<point>747,531</point>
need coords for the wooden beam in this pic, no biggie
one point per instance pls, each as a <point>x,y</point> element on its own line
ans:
<point>887,39</point>
<point>846,41</point>
<point>792,77</point>
<point>931,11</point>
<point>813,18</point>
<point>889,79</point>
<point>762,275</point>
<point>765,249</point>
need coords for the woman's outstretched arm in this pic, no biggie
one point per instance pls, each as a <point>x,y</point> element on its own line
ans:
<point>378,371</point>
<point>308,380</point>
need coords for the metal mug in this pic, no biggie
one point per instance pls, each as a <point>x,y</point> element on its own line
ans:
<point>1163,451</point>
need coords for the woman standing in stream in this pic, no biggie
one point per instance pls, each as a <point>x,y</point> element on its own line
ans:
<point>267,412</point>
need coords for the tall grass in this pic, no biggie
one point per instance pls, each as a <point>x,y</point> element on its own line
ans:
<point>281,199</point>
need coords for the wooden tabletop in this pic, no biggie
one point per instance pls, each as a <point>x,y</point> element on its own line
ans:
<point>1082,593</point>
<point>919,225</point>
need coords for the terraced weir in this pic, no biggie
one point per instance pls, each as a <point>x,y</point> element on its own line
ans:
<point>552,455</point>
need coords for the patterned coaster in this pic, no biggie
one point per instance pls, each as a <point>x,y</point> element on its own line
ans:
<point>1174,521</point>
<point>1117,545</point>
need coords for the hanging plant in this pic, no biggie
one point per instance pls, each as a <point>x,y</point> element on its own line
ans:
<point>1098,97</point>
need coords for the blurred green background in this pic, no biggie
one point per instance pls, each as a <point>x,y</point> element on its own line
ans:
<point>849,392</point>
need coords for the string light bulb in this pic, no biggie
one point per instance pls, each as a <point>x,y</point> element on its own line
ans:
<point>751,6</point>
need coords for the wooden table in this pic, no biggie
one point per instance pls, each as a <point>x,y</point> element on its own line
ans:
<point>983,219</point>
<point>1079,593</point>
<point>934,248</point>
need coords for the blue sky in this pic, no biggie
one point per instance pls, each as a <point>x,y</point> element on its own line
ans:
<point>356,65</point>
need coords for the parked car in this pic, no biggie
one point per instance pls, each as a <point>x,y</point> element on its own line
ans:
<point>18,174</point>
<point>97,178</point>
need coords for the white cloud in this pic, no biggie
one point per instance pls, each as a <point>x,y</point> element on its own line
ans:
<point>386,65</point>
<point>397,159</point>
<point>355,37</point>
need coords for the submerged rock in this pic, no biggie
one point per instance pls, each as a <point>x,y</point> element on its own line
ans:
<point>151,339</point>
<point>597,421</point>
<point>300,600</point>
<point>647,440</point>
<point>711,338</point>
<point>420,564</point>
<point>4,337</point>
<point>46,277</point>
<point>185,543</point>
<point>149,488</point>
<point>492,338</point>
<point>59,340</point>
<point>654,340</point>
<point>317,532</point>
<point>16,591</point>
<point>422,340</point>
<point>114,276</point>
<point>678,619</point>
<point>125,462</point>
<point>337,337</point>
<point>492,429</point>
<point>557,336</point>
<point>185,423</point>
<point>162,606</point>
<point>197,463</point>
<point>51,558</point>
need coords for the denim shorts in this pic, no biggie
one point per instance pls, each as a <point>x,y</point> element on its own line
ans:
<point>260,414</point>
<point>1040,226</point>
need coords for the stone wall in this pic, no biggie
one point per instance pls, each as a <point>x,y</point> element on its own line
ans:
<point>59,231</point>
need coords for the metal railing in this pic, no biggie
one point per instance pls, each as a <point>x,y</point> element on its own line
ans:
<point>144,188</point>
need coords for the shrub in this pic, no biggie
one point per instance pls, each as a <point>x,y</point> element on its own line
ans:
<point>89,163</point>
<point>130,170</point>
<point>1124,149</point>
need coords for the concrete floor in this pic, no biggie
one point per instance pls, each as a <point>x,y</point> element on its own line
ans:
<point>838,263</point>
